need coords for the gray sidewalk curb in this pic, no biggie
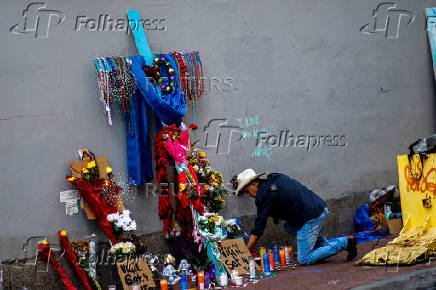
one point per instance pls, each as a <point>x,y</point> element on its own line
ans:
<point>421,279</point>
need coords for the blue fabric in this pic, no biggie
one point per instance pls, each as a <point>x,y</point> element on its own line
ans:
<point>313,248</point>
<point>365,227</point>
<point>139,157</point>
<point>294,203</point>
<point>169,108</point>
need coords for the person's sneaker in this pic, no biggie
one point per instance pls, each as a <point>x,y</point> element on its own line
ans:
<point>351,248</point>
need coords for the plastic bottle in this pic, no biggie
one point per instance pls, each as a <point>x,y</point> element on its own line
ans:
<point>92,257</point>
<point>223,279</point>
<point>252,266</point>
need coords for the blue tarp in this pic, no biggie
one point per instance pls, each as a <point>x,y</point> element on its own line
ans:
<point>365,227</point>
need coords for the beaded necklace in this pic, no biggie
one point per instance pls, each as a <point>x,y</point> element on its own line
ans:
<point>116,83</point>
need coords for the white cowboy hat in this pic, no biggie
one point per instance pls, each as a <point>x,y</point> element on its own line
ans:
<point>244,178</point>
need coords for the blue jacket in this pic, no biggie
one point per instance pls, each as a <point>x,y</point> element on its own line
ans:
<point>293,202</point>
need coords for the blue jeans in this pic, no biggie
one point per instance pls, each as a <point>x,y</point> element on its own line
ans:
<point>311,247</point>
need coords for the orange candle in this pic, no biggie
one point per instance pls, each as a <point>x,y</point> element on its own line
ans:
<point>282,257</point>
<point>163,284</point>
<point>271,261</point>
<point>290,253</point>
<point>201,280</point>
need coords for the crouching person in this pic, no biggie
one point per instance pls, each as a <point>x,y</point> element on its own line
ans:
<point>304,212</point>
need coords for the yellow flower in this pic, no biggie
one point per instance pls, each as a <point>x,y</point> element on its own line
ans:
<point>213,176</point>
<point>215,184</point>
<point>90,164</point>
<point>108,170</point>
<point>64,233</point>
<point>71,178</point>
<point>182,186</point>
<point>207,170</point>
<point>202,154</point>
<point>206,187</point>
<point>84,170</point>
<point>107,183</point>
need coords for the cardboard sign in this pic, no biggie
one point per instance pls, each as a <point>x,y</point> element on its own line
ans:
<point>101,162</point>
<point>76,171</point>
<point>135,271</point>
<point>236,256</point>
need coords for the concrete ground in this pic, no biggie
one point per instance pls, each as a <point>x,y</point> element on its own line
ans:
<point>336,272</point>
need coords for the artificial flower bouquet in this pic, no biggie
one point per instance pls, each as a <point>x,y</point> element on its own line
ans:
<point>100,192</point>
<point>210,227</point>
<point>130,248</point>
<point>122,222</point>
<point>211,181</point>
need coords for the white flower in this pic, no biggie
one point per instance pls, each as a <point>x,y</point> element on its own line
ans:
<point>125,248</point>
<point>195,167</point>
<point>131,226</point>
<point>122,220</point>
<point>112,217</point>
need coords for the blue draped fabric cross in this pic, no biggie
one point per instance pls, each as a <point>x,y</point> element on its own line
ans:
<point>169,108</point>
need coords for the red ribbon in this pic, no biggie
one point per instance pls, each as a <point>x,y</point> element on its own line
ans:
<point>45,255</point>
<point>70,256</point>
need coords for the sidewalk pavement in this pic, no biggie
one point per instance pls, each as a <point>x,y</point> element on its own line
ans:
<point>335,272</point>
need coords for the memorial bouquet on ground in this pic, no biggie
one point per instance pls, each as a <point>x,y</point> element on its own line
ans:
<point>80,262</point>
<point>210,227</point>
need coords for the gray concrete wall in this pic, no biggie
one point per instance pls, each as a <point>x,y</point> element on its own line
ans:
<point>299,65</point>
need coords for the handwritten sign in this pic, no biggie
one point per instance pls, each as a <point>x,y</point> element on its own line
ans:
<point>235,256</point>
<point>135,271</point>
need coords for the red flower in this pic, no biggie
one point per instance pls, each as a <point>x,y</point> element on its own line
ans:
<point>193,126</point>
